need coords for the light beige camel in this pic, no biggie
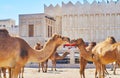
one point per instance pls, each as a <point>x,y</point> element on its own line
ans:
<point>15,52</point>
<point>102,54</point>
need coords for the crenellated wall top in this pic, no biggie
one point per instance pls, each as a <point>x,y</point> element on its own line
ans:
<point>84,8</point>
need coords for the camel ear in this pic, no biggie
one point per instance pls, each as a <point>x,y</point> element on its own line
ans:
<point>55,36</point>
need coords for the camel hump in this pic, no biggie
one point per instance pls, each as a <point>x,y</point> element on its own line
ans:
<point>111,39</point>
<point>4,33</point>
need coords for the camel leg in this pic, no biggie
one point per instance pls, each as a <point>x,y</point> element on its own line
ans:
<point>98,70</point>
<point>22,71</point>
<point>9,70</point>
<point>55,65</point>
<point>114,68</point>
<point>105,70</point>
<point>39,67</point>
<point>4,72</point>
<point>52,65</point>
<point>46,63</point>
<point>0,72</point>
<point>83,64</point>
<point>96,73</point>
<point>15,71</point>
<point>43,67</point>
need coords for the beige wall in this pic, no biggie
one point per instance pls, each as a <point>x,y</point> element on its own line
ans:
<point>7,23</point>
<point>40,23</point>
<point>10,25</point>
<point>92,22</point>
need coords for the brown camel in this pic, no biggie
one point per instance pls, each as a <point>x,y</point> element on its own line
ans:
<point>38,47</point>
<point>15,52</point>
<point>102,54</point>
<point>53,58</point>
<point>56,57</point>
<point>84,62</point>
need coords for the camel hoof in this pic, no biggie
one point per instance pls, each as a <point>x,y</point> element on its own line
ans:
<point>45,71</point>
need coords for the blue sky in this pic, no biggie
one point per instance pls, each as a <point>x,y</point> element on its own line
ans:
<point>12,8</point>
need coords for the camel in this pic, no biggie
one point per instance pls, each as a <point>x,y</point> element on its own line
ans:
<point>56,57</point>
<point>15,52</point>
<point>102,54</point>
<point>53,58</point>
<point>84,62</point>
<point>38,47</point>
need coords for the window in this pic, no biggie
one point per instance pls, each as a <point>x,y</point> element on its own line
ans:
<point>31,30</point>
<point>3,25</point>
<point>49,31</point>
<point>12,26</point>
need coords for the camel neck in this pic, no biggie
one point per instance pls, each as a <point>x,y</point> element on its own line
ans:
<point>61,57</point>
<point>84,53</point>
<point>43,54</point>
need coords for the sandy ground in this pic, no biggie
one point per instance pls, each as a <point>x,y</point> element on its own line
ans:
<point>65,73</point>
<point>31,72</point>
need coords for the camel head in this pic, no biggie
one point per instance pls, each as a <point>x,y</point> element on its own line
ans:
<point>38,44</point>
<point>4,33</point>
<point>59,39</point>
<point>78,42</point>
<point>110,40</point>
<point>92,44</point>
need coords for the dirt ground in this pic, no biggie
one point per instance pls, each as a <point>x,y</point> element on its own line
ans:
<point>65,73</point>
